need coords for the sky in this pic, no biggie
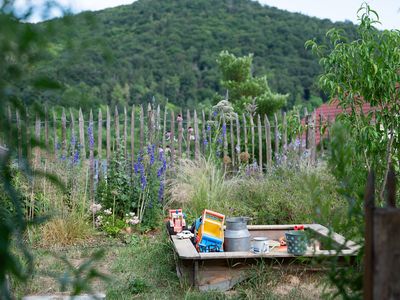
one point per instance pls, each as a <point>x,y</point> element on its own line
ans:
<point>336,10</point>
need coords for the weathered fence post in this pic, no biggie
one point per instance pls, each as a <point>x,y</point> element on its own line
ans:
<point>172,148</point>
<point>125,132</point>
<point>252,138</point>
<point>276,133</point>
<point>91,157</point>
<point>55,138</point>
<point>284,138</point>
<point>82,134</point>
<point>196,137</point>
<point>180,133</point>
<point>141,129</point>
<point>238,138</point>
<point>64,134</point>
<point>164,129</point>
<point>268,142</point>
<point>108,137</point>
<point>188,134</point>
<point>132,137</point>
<point>232,142</point>
<point>246,149</point>
<point>203,133</point>
<point>116,124</point>
<point>260,152</point>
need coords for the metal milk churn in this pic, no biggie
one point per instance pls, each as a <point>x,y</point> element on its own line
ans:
<point>237,236</point>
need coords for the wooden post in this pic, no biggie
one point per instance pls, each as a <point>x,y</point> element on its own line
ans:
<point>203,133</point>
<point>225,140</point>
<point>196,137</point>
<point>133,136</point>
<point>141,116</point>
<point>19,132</point>
<point>321,134</point>
<point>108,137</point>
<point>180,133</point>
<point>46,128</point>
<point>268,142</point>
<point>172,137</point>
<point>245,134</point>
<point>125,132</point>
<point>149,123</point>
<point>117,133</point>
<point>64,134</point>
<point>307,120</point>
<point>55,139</point>
<point>232,143</point>
<point>260,153</point>
<point>73,134</point>
<point>82,134</point>
<point>369,206</point>
<point>164,132</point>
<point>91,158</point>
<point>252,139</point>
<point>276,134</point>
<point>158,125</point>
<point>209,129</point>
<point>188,128</point>
<point>99,136</point>
<point>37,137</point>
<point>285,140</point>
<point>238,138</point>
<point>312,140</point>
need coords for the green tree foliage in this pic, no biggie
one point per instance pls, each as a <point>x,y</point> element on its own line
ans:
<point>168,49</point>
<point>244,88</point>
<point>366,71</point>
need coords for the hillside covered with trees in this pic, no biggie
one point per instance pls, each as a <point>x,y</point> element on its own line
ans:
<point>168,49</point>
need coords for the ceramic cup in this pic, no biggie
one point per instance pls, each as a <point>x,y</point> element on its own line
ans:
<point>260,245</point>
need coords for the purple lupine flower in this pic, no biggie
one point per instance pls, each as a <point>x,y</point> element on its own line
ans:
<point>219,140</point>
<point>208,128</point>
<point>223,129</point>
<point>58,146</point>
<point>215,113</point>
<point>91,136</point>
<point>73,141</point>
<point>205,142</point>
<point>75,159</point>
<point>150,152</point>
<point>143,180</point>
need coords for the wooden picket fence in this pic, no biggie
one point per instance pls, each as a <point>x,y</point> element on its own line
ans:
<point>168,130</point>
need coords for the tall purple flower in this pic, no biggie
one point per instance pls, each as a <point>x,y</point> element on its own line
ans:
<point>91,136</point>
<point>223,129</point>
<point>150,152</point>
<point>205,142</point>
<point>75,159</point>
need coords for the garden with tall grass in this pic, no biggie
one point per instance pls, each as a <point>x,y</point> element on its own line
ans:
<point>84,194</point>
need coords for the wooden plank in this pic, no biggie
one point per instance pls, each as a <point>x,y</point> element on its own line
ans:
<point>108,137</point>
<point>117,132</point>
<point>260,152</point>
<point>225,140</point>
<point>133,136</point>
<point>245,133</point>
<point>252,138</point>
<point>188,134</point>
<point>164,132</point>
<point>125,133</point>
<point>313,145</point>
<point>208,129</point>
<point>386,253</point>
<point>268,143</point>
<point>369,207</point>
<point>321,134</point>
<point>55,138</point>
<point>238,138</point>
<point>196,137</point>
<point>172,137</point>
<point>284,137</point>
<point>149,124</point>
<point>158,125</point>
<point>73,133</point>
<point>38,140</point>
<point>203,133</point>
<point>63,134</point>
<point>184,248</point>
<point>276,136</point>
<point>46,128</point>
<point>232,143</point>
<point>141,116</point>
<point>82,135</point>
<point>19,137</point>
<point>91,158</point>
<point>180,134</point>
<point>100,136</point>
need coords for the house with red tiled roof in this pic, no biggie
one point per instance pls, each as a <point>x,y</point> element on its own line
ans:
<point>328,112</point>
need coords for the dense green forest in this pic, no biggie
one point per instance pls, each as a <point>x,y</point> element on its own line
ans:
<point>168,49</point>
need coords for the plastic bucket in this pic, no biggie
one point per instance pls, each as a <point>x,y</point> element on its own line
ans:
<point>296,241</point>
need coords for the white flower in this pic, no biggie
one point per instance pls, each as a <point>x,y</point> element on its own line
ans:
<point>108,211</point>
<point>131,214</point>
